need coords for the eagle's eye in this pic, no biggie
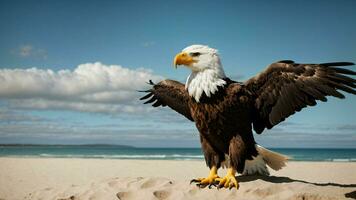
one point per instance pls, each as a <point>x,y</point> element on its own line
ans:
<point>195,54</point>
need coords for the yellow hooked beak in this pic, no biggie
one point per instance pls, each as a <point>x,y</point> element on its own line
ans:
<point>183,59</point>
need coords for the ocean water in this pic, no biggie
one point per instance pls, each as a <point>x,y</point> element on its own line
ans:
<point>119,152</point>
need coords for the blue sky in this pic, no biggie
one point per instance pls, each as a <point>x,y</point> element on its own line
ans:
<point>120,41</point>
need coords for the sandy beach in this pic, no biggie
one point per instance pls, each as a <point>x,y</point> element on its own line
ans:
<point>57,178</point>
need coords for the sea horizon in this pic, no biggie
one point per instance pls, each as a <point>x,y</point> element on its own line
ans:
<point>117,151</point>
<point>163,147</point>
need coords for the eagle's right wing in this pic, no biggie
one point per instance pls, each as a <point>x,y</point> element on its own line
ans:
<point>169,93</point>
<point>286,87</point>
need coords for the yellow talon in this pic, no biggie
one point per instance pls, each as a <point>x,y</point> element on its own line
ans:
<point>210,180</point>
<point>229,181</point>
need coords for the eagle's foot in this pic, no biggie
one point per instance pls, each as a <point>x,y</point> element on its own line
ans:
<point>229,181</point>
<point>210,181</point>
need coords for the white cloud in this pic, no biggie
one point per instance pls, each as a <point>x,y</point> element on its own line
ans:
<point>9,116</point>
<point>91,87</point>
<point>26,51</point>
<point>59,132</point>
<point>148,44</point>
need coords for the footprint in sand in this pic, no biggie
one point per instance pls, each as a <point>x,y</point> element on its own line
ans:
<point>123,195</point>
<point>156,182</point>
<point>114,183</point>
<point>161,194</point>
<point>311,197</point>
<point>69,198</point>
<point>149,183</point>
<point>268,191</point>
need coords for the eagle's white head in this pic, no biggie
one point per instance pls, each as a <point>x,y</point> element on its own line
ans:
<point>207,72</point>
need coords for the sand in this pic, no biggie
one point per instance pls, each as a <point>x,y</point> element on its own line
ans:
<point>57,178</point>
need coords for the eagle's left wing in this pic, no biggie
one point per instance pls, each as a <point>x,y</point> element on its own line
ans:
<point>169,93</point>
<point>286,87</point>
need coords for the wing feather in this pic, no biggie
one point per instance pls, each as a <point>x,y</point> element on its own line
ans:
<point>169,93</point>
<point>286,87</point>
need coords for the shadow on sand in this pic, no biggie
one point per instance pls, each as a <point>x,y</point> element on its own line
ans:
<point>276,179</point>
<point>281,179</point>
<point>351,195</point>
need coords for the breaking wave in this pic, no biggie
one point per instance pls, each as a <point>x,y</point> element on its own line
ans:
<point>147,157</point>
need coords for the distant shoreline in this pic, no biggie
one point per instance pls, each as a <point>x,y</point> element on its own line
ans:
<point>155,159</point>
<point>125,152</point>
<point>69,145</point>
<point>129,146</point>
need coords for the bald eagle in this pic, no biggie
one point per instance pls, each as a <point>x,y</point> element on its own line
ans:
<point>225,111</point>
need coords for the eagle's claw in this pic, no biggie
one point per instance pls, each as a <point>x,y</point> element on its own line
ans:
<point>194,181</point>
<point>203,182</point>
<point>229,181</point>
<point>213,184</point>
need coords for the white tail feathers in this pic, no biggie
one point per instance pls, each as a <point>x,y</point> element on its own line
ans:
<point>265,157</point>
<point>273,159</point>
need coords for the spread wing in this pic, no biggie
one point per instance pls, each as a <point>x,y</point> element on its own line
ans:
<point>286,87</point>
<point>169,93</point>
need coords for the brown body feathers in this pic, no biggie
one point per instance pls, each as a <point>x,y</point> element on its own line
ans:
<point>226,119</point>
